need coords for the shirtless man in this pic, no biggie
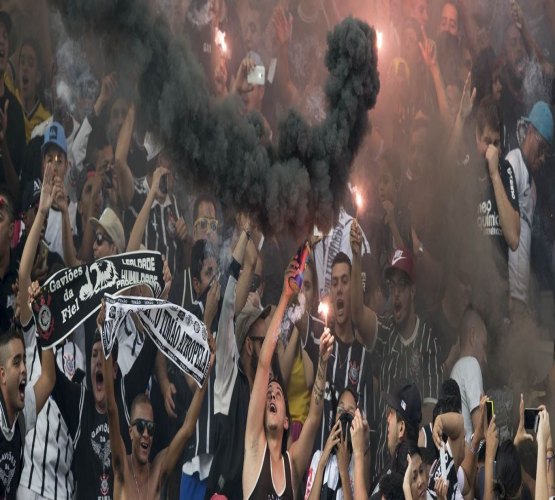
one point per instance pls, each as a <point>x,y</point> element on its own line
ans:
<point>269,470</point>
<point>134,475</point>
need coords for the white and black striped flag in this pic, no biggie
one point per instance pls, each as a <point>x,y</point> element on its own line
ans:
<point>180,335</point>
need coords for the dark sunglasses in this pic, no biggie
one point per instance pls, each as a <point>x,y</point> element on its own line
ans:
<point>205,222</point>
<point>143,424</point>
<point>101,238</point>
<point>261,339</point>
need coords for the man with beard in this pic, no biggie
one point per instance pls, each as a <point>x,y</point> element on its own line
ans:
<point>134,472</point>
<point>403,343</point>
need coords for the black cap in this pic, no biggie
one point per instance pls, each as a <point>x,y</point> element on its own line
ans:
<point>31,194</point>
<point>405,399</point>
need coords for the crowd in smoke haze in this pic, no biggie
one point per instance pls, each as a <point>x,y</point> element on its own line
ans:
<point>402,150</point>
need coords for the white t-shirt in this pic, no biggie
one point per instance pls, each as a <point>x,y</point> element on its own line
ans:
<point>519,260</point>
<point>468,374</point>
<point>331,475</point>
<point>53,233</point>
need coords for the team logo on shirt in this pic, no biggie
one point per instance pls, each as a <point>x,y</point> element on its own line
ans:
<point>45,322</point>
<point>100,442</point>
<point>104,484</point>
<point>414,363</point>
<point>7,470</point>
<point>69,365</point>
<point>354,372</point>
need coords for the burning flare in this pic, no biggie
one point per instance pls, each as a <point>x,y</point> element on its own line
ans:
<point>379,40</point>
<point>323,309</point>
<point>220,40</point>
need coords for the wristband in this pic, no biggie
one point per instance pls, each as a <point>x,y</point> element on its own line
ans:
<point>477,451</point>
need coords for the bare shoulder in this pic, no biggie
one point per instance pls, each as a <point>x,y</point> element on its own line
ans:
<point>254,455</point>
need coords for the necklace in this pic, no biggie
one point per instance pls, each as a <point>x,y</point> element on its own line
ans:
<point>135,478</point>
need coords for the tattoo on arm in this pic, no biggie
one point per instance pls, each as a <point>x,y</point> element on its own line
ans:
<point>319,383</point>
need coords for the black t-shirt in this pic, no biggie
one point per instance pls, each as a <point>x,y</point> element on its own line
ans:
<point>7,297</point>
<point>89,429</point>
<point>15,134</point>
<point>11,458</point>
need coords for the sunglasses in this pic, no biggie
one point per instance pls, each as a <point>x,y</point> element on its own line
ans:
<point>205,223</point>
<point>101,238</point>
<point>141,424</point>
<point>261,339</point>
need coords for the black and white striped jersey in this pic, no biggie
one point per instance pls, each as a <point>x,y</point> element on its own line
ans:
<point>414,360</point>
<point>49,447</point>
<point>160,233</point>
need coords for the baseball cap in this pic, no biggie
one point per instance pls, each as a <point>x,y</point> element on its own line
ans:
<point>405,399</point>
<point>248,317</point>
<point>31,194</point>
<point>542,120</point>
<point>54,134</point>
<point>402,260</point>
<point>110,222</point>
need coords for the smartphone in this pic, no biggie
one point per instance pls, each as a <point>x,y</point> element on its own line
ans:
<point>531,419</point>
<point>257,75</point>
<point>489,410</point>
<point>164,184</point>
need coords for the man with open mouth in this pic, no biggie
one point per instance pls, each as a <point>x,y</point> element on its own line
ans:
<point>19,405</point>
<point>404,343</point>
<point>269,469</point>
<point>134,473</point>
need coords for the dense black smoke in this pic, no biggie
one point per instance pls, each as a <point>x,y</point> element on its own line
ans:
<point>290,188</point>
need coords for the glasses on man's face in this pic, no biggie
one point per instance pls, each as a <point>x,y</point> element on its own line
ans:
<point>259,339</point>
<point>101,238</point>
<point>397,286</point>
<point>141,424</point>
<point>204,223</point>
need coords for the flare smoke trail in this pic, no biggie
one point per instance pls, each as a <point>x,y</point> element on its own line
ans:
<point>300,182</point>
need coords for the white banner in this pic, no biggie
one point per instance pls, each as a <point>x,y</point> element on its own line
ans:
<point>180,335</point>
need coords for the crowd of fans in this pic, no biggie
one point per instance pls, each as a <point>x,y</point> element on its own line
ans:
<point>437,270</point>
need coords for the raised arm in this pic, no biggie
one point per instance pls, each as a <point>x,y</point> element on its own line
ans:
<point>47,195</point>
<point>174,451</point>
<point>125,177</point>
<point>508,215</point>
<point>429,55</point>
<point>301,449</point>
<point>364,319</point>
<point>117,445</point>
<point>465,108</point>
<point>359,437</point>
<point>542,470</point>
<point>492,442</point>
<point>451,424</point>
<point>255,417</point>
<point>138,231</point>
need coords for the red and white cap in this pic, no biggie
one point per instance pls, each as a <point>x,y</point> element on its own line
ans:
<point>401,259</point>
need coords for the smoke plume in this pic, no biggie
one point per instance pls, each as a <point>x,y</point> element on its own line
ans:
<point>290,187</point>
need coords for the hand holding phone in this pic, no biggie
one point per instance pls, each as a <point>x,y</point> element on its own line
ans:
<point>489,410</point>
<point>257,76</point>
<point>531,419</point>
